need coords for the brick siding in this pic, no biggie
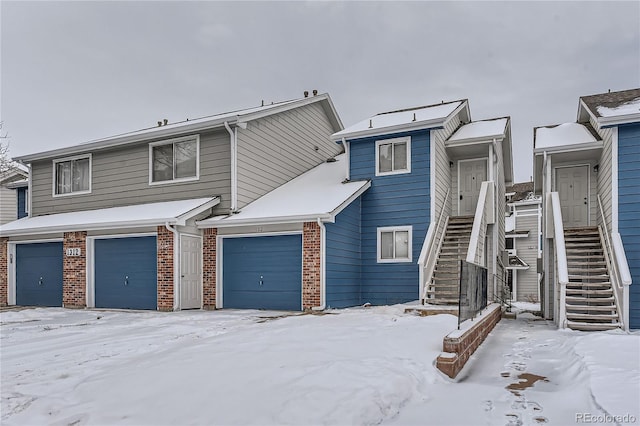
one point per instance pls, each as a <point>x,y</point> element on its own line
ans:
<point>165,269</point>
<point>4,273</point>
<point>310,265</point>
<point>464,346</point>
<point>209,251</point>
<point>74,271</point>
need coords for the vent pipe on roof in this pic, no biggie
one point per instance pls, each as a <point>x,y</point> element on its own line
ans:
<point>306,93</point>
<point>165,122</point>
<point>315,92</point>
<point>371,124</point>
<point>159,123</point>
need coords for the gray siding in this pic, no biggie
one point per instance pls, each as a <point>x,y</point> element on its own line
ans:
<point>527,250</point>
<point>8,205</point>
<point>274,150</point>
<point>605,174</point>
<point>442,180</point>
<point>121,177</point>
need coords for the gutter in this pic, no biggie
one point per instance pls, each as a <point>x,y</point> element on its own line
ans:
<point>233,136</point>
<point>348,158</point>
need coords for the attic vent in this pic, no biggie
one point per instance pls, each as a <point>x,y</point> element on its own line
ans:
<point>331,160</point>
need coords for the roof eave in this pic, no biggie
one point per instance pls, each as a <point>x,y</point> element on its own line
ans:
<point>229,221</point>
<point>89,227</point>
<point>618,120</point>
<point>568,148</point>
<point>398,128</point>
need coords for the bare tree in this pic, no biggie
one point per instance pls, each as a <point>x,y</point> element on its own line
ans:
<point>5,161</point>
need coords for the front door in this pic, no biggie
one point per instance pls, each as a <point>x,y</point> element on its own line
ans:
<point>190,272</point>
<point>572,184</point>
<point>471,175</point>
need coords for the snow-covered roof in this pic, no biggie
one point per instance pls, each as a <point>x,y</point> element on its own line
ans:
<point>484,129</point>
<point>402,120</point>
<point>192,125</point>
<point>516,263</point>
<point>151,214</point>
<point>611,108</point>
<point>567,135</point>
<point>318,193</point>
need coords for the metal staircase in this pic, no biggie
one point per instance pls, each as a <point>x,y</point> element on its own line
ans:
<point>590,303</point>
<point>444,287</point>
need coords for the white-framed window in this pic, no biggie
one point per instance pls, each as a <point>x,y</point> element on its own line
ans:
<point>393,156</point>
<point>72,175</point>
<point>174,160</point>
<point>394,244</point>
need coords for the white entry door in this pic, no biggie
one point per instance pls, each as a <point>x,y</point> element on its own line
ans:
<point>572,184</point>
<point>471,175</point>
<point>190,272</point>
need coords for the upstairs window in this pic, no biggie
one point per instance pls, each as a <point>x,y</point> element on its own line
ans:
<point>176,160</point>
<point>393,156</point>
<point>394,244</point>
<point>72,176</point>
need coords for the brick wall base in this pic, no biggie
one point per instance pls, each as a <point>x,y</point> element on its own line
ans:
<point>209,251</point>
<point>458,348</point>
<point>74,270</point>
<point>165,269</point>
<point>4,272</point>
<point>310,265</point>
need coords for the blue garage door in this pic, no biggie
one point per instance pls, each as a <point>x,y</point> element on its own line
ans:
<point>126,273</point>
<point>39,274</point>
<point>263,272</point>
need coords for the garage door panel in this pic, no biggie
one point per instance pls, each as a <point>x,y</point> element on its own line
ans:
<point>39,274</point>
<point>263,272</point>
<point>126,273</point>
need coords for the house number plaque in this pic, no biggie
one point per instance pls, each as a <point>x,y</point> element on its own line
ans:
<point>77,251</point>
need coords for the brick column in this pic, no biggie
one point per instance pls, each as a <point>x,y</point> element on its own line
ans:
<point>165,269</point>
<point>74,270</point>
<point>4,273</point>
<point>310,265</point>
<point>209,249</point>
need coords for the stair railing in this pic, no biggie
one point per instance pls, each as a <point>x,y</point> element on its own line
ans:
<point>616,262</point>
<point>485,215</point>
<point>431,247</point>
<point>562,270</point>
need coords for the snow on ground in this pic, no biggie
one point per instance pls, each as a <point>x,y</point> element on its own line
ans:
<point>352,366</point>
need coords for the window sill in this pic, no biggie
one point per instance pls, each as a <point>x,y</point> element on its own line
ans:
<point>71,194</point>
<point>394,260</point>
<point>169,182</point>
<point>395,172</point>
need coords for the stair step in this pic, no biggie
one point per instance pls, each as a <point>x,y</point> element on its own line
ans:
<point>574,285</point>
<point>594,317</point>
<point>589,300</point>
<point>587,326</point>
<point>594,263</point>
<point>571,291</point>
<point>593,308</point>
<point>443,301</point>
<point>589,277</point>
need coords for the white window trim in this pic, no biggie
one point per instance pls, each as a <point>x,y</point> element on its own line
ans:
<point>406,139</point>
<point>62,160</point>
<point>26,201</point>
<point>389,229</point>
<point>174,141</point>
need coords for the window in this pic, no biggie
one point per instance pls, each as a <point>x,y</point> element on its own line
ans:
<point>393,156</point>
<point>72,176</point>
<point>175,160</point>
<point>394,244</point>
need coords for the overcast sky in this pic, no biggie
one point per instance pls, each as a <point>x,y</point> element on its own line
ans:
<point>77,71</point>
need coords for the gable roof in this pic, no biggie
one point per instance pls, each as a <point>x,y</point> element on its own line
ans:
<point>482,129</point>
<point>423,117</point>
<point>320,193</point>
<point>151,214</point>
<point>193,125</point>
<point>14,173</point>
<point>612,108</point>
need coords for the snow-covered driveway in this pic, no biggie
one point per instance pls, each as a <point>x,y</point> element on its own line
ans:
<point>354,366</point>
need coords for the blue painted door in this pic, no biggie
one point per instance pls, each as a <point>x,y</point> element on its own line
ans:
<point>263,272</point>
<point>126,273</point>
<point>39,274</point>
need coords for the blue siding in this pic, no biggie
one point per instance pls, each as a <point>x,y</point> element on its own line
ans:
<point>395,200</point>
<point>262,272</point>
<point>126,273</point>
<point>629,210</point>
<point>39,274</point>
<point>22,194</point>
<point>343,266</point>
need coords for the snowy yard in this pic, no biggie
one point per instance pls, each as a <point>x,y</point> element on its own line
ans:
<point>353,366</point>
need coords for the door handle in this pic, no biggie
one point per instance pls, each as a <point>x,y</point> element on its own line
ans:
<point>461,196</point>
<point>41,281</point>
<point>126,280</point>
<point>261,280</point>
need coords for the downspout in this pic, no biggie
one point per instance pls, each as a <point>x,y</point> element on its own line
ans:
<point>176,272</point>
<point>323,281</point>
<point>494,230</point>
<point>29,189</point>
<point>347,154</point>
<point>233,135</point>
